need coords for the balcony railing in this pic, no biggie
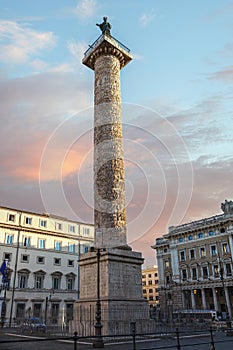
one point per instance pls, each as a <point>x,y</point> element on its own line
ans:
<point>98,40</point>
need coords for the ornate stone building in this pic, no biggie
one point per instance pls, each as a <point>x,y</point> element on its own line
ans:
<point>41,252</point>
<point>195,265</point>
<point>150,285</point>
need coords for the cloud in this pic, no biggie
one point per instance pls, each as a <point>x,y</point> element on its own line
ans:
<point>146,18</point>
<point>225,75</point>
<point>77,49</point>
<point>31,110</point>
<point>19,44</point>
<point>85,9</point>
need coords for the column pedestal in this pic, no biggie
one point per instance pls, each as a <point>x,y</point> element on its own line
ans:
<point>120,293</point>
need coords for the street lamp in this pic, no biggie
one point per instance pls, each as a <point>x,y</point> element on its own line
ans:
<point>4,286</point>
<point>221,272</point>
<point>3,310</point>
<point>98,342</point>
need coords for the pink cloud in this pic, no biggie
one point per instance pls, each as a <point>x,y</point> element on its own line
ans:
<point>223,75</point>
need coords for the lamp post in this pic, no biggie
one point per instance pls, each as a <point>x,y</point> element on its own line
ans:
<point>4,286</point>
<point>221,272</point>
<point>98,342</point>
<point>3,310</point>
<point>46,309</point>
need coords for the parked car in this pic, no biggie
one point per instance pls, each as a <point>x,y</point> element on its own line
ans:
<point>33,324</point>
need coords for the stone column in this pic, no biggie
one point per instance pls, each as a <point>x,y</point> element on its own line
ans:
<point>226,291</point>
<point>203,299</point>
<point>193,301</point>
<point>107,57</point>
<point>109,176</point>
<point>216,307</point>
<point>183,300</point>
<point>120,298</point>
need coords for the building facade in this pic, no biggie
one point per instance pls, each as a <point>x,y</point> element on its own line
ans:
<point>41,253</point>
<point>150,285</point>
<point>195,265</point>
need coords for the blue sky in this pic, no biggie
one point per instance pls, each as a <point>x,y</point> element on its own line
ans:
<point>177,108</point>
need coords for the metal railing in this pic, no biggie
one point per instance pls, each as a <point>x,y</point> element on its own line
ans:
<point>92,46</point>
<point>172,340</point>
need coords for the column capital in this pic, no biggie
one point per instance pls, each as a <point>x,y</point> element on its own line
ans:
<point>106,45</point>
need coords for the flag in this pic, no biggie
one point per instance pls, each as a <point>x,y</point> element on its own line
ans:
<point>4,272</point>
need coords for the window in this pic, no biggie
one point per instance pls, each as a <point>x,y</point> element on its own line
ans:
<point>151,297</point>
<point>211,233</point>
<point>86,248</point>
<point>182,256</point>
<point>202,252</point>
<point>7,256</point>
<point>24,258</point>
<point>43,223</point>
<point>201,235</point>
<point>55,313</point>
<point>222,230</point>
<point>41,243</point>
<point>9,239</point>
<point>39,279</point>
<point>143,276</point>
<point>71,247</point>
<point>56,282</point>
<point>156,275</point>
<point>167,264</point>
<point>205,274</point>
<point>71,228</point>
<point>150,283</point>
<point>11,217</point>
<point>69,312</point>
<point>216,271</point>
<point>184,275</point>
<point>40,260</point>
<point>57,245</point>
<point>28,221</point>
<point>144,291</point>
<point>86,231</point>
<point>144,283</point>
<point>23,281</point>
<point>26,241</point>
<point>71,263</point>
<point>150,290</point>
<point>228,269</point>
<point>213,250</point>
<point>181,239</point>
<point>190,237</point>
<point>194,273</point>
<point>149,275</point>
<point>70,283</point>
<point>57,261</point>
<point>192,253</point>
<point>225,248</point>
<point>58,226</point>
<point>167,280</point>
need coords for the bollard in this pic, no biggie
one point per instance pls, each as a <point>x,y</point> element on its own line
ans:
<point>212,339</point>
<point>75,340</point>
<point>178,339</point>
<point>133,330</point>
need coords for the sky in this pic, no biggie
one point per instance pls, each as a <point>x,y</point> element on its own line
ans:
<point>177,103</point>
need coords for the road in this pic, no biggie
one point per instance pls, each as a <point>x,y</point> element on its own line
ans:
<point>188,342</point>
